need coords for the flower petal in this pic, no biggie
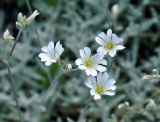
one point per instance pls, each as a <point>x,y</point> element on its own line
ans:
<point>44,57</point>
<point>51,47</point>
<point>97,96</point>
<point>92,92</point>
<point>45,49</point>
<point>109,34</point>
<point>103,62</point>
<point>82,54</point>
<point>109,84</point>
<point>48,63</point>
<point>105,76</point>
<point>120,47</point>
<point>59,49</point>
<point>87,51</point>
<point>93,72</point>
<point>101,49</point>
<point>88,72</point>
<point>112,53</point>
<point>102,36</point>
<point>100,68</point>
<point>99,41</point>
<point>99,78</point>
<point>79,61</point>
<point>97,57</point>
<point>91,81</point>
<point>116,40</point>
<point>110,93</point>
<point>82,67</point>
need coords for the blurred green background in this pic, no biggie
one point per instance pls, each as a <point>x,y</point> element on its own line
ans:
<point>47,95</point>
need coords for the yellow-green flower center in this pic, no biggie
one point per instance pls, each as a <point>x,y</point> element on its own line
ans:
<point>88,63</point>
<point>55,57</point>
<point>99,89</point>
<point>109,45</point>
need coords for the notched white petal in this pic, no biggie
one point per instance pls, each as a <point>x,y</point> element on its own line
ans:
<point>99,40</point>
<point>112,53</point>
<point>87,51</point>
<point>59,49</point>
<point>79,61</point>
<point>120,47</point>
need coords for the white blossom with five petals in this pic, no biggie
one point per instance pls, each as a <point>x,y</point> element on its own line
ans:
<point>91,64</point>
<point>109,42</point>
<point>51,53</point>
<point>101,85</point>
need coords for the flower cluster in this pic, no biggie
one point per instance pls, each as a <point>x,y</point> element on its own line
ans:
<point>22,20</point>
<point>93,64</point>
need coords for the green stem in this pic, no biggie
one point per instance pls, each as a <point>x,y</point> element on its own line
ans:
<point>17,38</point>
<point>6,63</point>
<point>107,10</point>
<point>84,111</point>
<point>29,6</point>
<point>14,91</point>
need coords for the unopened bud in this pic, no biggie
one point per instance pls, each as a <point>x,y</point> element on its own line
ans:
<point>115,10</point>
<point>155,73</point>
<point>7,36</point>
<point>151,104</point>
<point>69,66</point>
<point>147,77</point>
<point>123,105</point>
<point>32,17</point>
<point>22,21</point>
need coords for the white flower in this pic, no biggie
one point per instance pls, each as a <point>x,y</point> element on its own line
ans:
<point>32,17</point>
<point>91,64</point>
<point>109,42</point>
<point>7,36</point>
<point>51,53</point>
<point>101,85</point>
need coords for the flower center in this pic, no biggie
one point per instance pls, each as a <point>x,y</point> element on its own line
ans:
<point>109,45</point>
<point>54,57</point>
<point>99,89</point>
<point>88,63</point>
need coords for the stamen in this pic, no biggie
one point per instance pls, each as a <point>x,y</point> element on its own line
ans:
<point>88,63</point>
<point>99,89</point>
<point>109,45</point>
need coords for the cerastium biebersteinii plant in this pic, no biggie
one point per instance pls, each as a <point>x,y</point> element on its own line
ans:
<point>22,22</point>
<point>94,65</point>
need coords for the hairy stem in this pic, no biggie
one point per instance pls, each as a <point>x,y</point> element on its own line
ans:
<point>5,62</point>
<point>82,117</point>
<point>14,92</point>
<point>17,38</point>
<point>107,10</point>
<point>29,6</point>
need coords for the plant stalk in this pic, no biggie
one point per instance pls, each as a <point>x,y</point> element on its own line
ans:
<point>17,38</point>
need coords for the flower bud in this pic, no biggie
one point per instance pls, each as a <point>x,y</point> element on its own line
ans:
<point>155,74</point>
<point>7,36</point>
<point>151,104</point>
<point>22,21</point>
<point>147,77</point>
<point>32,17</point>
<point>69,66</point>
<point>123,105</point>
<point>115,10</point>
